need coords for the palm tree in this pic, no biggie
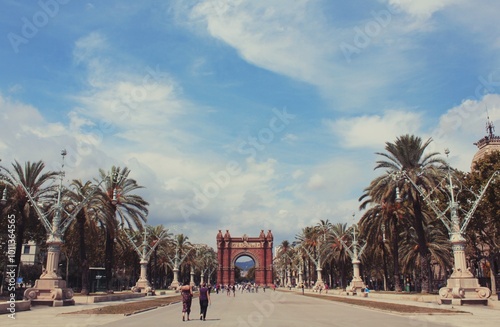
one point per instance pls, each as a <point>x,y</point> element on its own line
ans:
<point>425,171</point>
<point>439,248</point>
<point>337,254</point>
<point>204,260</point>
<point>34,180</point>
<point>181,249</point>
<point>307,242</point>
<point>78,193</point>
<point>283,259</point>
<point>384,216</point>
<point>121,207</point>
<point>211,264</point>
<point>324,228</point>
<point>375,240</point>
<point>157,262</point>
<point>127,261</point>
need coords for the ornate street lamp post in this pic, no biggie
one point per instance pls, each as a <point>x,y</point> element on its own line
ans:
<point>355,251</point>
<point>175,263</point>
<point>462,286</point>
<point>318,262</point>
<point>299,261</point>
<point>204,262</point>
<point>51,288</point>
<point>144,251</point>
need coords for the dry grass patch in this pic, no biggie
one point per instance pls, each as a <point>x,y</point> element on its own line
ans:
<point>132,307</point>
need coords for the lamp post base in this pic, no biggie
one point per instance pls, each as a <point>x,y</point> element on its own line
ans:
<point>142,284</point>
<point>318,286</point>
<point>52,292</point>
<point>355,287</point>
<point>174,285</point>
<point>464,290</point>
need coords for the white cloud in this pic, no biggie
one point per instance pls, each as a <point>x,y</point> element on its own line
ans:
<point>297,173</point>
<point>316,182</point>
<point>267,34</point>
<point>289,137</point>
<point>27,136</point>
<point>372,131</point>
<point>86,47</point>
<point>422,9</point>
<point>16,88</point>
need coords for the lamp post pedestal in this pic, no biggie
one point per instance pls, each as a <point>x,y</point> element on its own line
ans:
<point>462,287</point>
<point>51,289</point>
<point>175,283</point>
<point>301,279</point>
<point>142,283</point>
<point>319,285</point>
<point>191,277</point>
<point>356,285</point>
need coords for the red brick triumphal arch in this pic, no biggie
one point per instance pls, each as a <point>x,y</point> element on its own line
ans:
<point>260,249</point>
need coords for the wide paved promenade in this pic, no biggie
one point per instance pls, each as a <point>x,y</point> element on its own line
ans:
<point>254,309</point>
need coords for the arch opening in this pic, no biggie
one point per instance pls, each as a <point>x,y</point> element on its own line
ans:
<point>244,269</point>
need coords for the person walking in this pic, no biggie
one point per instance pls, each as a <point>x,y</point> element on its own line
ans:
<point>187,297</point>
<point>204,300</point>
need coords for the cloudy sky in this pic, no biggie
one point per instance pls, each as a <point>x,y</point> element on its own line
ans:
<point>244,114</point>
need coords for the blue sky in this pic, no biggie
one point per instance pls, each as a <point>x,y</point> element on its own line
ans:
<point>244,115</point>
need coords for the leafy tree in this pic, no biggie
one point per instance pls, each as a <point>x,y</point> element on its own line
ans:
<point>484,227</point>
<point>251,274</point>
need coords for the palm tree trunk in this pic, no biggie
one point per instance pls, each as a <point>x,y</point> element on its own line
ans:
<point>344,277</point>
<point>154,270</point>
<point>84,264</point>
<point>19,244</point>
<point>395,256</point>
<point>422,247</point>
<point>108,264</point>
<point>332,274</point>
<point>384,262</point>
<point>492,275</point>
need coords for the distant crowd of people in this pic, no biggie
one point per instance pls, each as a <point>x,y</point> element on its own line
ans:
<point>244,287</point>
